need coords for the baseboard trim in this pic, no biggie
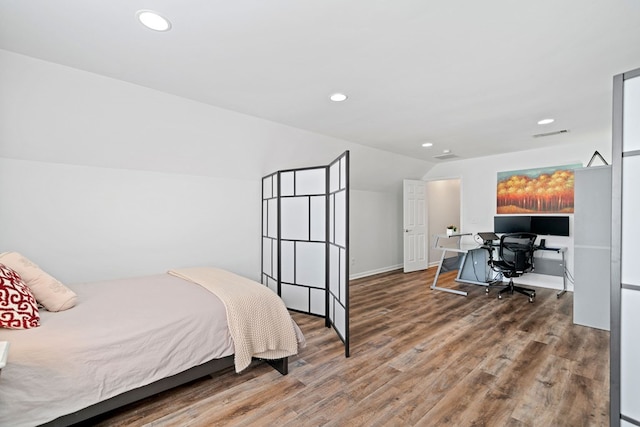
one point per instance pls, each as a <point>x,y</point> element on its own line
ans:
<point>376,271</point>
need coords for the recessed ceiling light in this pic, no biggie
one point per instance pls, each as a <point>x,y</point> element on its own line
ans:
<point>427,144</point>
<point>445,151</point>
<point>338,97</point>
<point>546,121</point>
<point>153,20</point>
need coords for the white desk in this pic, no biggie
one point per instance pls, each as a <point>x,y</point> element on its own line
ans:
<point>453,244</point>
<point>552,266</point>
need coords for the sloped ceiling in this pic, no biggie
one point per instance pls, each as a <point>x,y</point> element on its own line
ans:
<point>470,76</point>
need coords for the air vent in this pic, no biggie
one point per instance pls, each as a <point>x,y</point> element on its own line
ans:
<point>446,156</point>
<point>558,132</point>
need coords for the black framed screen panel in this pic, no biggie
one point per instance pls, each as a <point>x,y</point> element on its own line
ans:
<point>270,232</point>
<point>625,270</point>
<point>303,200</point>
<point>305,241</point>
<point>338,248</point>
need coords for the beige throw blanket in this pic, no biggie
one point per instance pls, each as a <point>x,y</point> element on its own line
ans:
<point>259,322</point>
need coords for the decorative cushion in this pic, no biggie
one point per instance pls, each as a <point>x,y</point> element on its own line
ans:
<point>18,307</point>
<point>53,295</point>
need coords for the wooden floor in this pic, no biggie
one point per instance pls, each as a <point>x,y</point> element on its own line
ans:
<point>418,357</point>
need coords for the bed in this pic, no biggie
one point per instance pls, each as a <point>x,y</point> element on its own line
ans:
<point>125,340</point>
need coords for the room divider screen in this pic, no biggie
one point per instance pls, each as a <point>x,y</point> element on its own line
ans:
<point>625,251</point>
<point>305,241</point>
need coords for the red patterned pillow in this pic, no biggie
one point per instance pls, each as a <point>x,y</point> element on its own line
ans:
<point>18,307</point>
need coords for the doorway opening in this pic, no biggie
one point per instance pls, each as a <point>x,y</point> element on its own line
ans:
<point>443,210</point>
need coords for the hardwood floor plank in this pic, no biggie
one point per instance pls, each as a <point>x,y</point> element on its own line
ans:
<point>451,409</point>
<point>582,404</point>
<point>540,400</point>
<point>592,353</point>
<point>419,357</point>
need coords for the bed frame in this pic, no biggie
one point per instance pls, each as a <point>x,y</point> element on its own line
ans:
<point>126,398</point>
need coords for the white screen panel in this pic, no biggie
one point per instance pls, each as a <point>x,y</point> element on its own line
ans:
<point>631,126</point>
<point>630,222</point>
<point>267,188</point>
<point>274,190</point>
<point>318,218</point>
<point>272,218</point>
<point>343,275</point>
<point>287,252</point>
<point>295,218</point>
<point>340,218</point>
<point>295,297</point>
<point>331,218</point>
<point>318,301</point>
<point>274,258</point>
<point>266,256</point>
<point>310,264</point>
<point>334,177</point>
<point>265,215</point>
<point>286,184</point>
<point>339,320</point>
<point>630,354</point>
<point>311,181</point>
<point>300,211</point>
<point>334,270</point>
<point>272,284</point>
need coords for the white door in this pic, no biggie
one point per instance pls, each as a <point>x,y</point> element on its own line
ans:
<point>415,225</point>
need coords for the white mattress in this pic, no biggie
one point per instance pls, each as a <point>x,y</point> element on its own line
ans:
<point>121,335</point>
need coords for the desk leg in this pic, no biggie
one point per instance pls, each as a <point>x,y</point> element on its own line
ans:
<point>435,280</point>
<point>564,277</point>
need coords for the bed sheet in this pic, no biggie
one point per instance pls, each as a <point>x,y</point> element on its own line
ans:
<point>121,335</point>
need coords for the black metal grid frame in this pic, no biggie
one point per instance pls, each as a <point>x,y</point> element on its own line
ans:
<point>274,275</point>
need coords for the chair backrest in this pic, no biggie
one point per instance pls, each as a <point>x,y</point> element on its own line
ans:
<point>516,250</point>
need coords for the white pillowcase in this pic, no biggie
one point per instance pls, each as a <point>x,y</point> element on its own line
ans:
<point>48,291</point>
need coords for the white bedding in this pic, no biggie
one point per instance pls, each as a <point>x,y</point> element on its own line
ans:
<point>259,322</point>
<point>76,358</point>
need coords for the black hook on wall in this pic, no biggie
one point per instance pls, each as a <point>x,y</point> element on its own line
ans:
<point>597,154</point>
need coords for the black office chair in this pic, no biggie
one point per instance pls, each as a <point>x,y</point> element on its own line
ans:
<point>516,258</point>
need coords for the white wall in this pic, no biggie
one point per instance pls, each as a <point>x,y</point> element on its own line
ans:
<point>375,232</point>
<point>86,223</point>
<point>479,180</point>
<point>53,113</point>
<point>108,179</point>
<point>115,153</point>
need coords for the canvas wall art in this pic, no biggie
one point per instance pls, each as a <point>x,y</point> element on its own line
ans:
<point>541,190</point>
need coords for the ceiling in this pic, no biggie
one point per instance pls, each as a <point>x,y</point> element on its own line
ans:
<point>473,77</point>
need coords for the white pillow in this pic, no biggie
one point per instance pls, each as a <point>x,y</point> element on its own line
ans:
<point>48,291</point>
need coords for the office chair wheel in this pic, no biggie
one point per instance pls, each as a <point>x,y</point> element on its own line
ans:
<point>499,296</point>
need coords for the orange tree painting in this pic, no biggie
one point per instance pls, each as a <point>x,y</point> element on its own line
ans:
<point>536,190</point>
